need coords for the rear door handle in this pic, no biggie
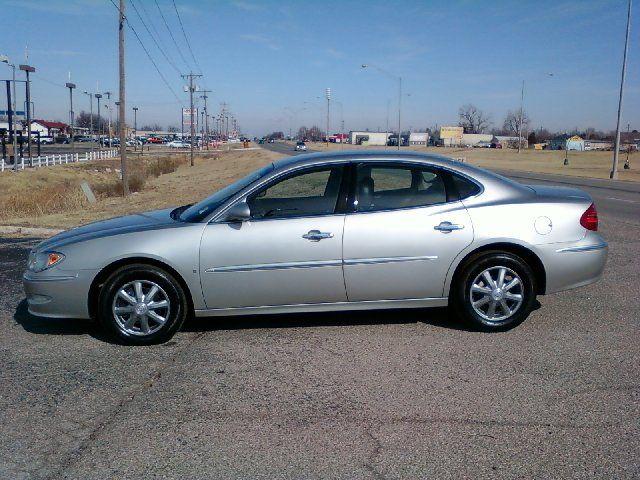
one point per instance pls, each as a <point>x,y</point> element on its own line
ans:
<point>317,235</point>
<point>448,227</point>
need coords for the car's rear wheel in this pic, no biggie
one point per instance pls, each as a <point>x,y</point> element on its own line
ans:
<point>494,291</point>
<point>142,305</point>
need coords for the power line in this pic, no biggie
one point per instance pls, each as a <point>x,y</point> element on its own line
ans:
<point>153,38</point>
<point>151,22</point>
<point>185,36</point>
<point>148,54</point>
<point>171,34</point>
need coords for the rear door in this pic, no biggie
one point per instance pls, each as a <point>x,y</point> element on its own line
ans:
<point>407,228</point>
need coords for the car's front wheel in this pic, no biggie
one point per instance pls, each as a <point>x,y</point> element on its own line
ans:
<point>142,304</point>
<point>495,291</point>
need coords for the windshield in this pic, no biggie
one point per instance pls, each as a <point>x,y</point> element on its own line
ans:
<point>200,210</point>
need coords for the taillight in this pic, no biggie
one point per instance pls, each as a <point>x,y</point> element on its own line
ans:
<point>589,218</point>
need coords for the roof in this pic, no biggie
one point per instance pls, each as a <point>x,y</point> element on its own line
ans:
<point>48,124</point>
<point>484,176</point>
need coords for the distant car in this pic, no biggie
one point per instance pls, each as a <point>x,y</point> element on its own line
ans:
<point>46,140</point>
<point>83,139</point>
<point>271,140</point>
<point>261,141</point>
<point>155,140</point>
<point>178,144</point>
<point>301,147</point>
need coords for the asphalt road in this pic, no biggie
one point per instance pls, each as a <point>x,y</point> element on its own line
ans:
<point>395,394</point>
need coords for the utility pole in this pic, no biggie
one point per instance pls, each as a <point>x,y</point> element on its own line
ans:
<point>521,117</point>
<point>28,69</point>
<point>100,131</point>
<point>328,95</point>
<point>205,137</point>
<point>122,103</point>
<point>71,86</point>
<point>614,169</point>
<point>192,88</point>
<point>108,94</point>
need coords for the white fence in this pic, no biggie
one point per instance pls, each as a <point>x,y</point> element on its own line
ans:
<point>59,159</point>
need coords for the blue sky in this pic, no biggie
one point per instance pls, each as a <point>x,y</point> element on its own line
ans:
<point>263,56</point>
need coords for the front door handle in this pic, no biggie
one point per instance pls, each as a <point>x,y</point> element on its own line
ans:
<point>448,227</point>
<point>317,235</point>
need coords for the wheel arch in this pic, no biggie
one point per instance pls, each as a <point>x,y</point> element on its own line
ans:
<point>528,255</point>
<point>101,277</point>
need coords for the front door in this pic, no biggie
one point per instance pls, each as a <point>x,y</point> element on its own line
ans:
<point>288,253</point>
<point>406,230</point>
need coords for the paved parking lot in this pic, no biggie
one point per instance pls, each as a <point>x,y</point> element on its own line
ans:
<point>395,394</point>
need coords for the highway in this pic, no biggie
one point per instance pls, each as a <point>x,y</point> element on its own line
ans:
<point>367,395</point>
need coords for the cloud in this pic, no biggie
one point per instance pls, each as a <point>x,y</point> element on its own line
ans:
<point>335,53</point>
<point>260,39</point>
<point>246,6</point>
<point>58,53</point>
<point>66,7</point>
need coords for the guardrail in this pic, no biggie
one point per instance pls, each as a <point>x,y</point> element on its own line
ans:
<point>58,159</point>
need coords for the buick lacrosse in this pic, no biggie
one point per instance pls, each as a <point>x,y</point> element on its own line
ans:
<point>326,232</point>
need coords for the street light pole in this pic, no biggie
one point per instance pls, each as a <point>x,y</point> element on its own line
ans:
<point>108,94</point>
<point>135,128</point>
<point>399,79</point>
<point>90,117</point>
<point>614,169</point>
<point>71,86</point>
<point>5,59</point>
<point>28,69</point>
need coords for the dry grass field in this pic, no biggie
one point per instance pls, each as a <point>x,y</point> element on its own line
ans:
<point>52,197</point>
<point>581,164</point>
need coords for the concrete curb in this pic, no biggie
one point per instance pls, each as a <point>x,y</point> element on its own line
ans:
<point>37,231</point>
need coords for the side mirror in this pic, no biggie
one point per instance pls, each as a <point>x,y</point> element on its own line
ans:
<point>240,212</point>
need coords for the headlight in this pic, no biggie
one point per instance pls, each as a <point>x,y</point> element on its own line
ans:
<point>43,260</point>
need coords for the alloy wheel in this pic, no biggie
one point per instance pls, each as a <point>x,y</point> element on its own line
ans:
<point>496,293</point>
<point>141,308</point>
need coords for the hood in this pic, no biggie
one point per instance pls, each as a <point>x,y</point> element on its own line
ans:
<point>114,226</point>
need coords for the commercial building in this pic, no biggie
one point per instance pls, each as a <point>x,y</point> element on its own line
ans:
<point>451,136</point>
<point>567,142</point>
<point>49,129</point>
<point>474,139</point>
<point>419,138</point>
<point>598,145</point>
<point>369,138</point>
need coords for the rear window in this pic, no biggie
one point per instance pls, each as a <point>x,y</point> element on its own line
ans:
<point>466,188</point>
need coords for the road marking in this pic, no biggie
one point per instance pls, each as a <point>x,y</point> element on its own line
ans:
<point>622,200</point>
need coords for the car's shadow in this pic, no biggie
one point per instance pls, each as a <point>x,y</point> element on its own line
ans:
<point>439,317</point>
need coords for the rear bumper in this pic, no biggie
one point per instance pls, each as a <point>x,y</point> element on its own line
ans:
<point>574,265</point>
<point>63,295</point>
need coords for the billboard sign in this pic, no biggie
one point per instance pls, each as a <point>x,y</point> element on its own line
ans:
<point>186,116</point>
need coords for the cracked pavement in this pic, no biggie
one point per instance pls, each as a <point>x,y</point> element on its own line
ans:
<point>388,394</point>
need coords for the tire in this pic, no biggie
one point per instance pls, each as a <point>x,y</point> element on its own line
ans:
<point>135,322</point>
<point>474,307</point>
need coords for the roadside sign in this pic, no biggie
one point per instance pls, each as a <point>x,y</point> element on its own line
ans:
<point>186,116</point>
<point>19,113</point>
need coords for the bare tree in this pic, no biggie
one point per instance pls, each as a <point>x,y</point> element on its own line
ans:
<point>472,119</point>
<point>517,123</point>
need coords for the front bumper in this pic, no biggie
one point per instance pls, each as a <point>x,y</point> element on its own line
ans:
<point>574,265</point>
<point>59,295</point>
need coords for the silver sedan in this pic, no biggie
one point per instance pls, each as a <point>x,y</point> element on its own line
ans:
<point>326,232</point>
